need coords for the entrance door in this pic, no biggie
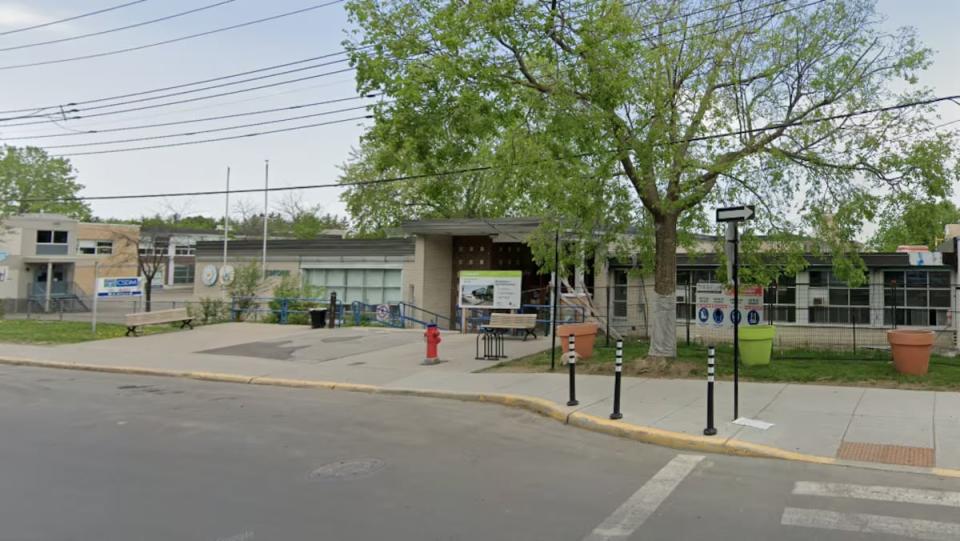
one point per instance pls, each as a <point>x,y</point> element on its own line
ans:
<point>58,285</point>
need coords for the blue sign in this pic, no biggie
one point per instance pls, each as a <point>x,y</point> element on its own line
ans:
<point>3,255</point>
<point>753,317</point>
<point>703,315</point>
<point>735,316</point>
<point>718,316</point>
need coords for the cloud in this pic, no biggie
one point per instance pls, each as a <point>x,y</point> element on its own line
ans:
<point>16,16</point>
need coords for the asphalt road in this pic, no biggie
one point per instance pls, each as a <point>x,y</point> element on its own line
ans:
<point>88,456</point>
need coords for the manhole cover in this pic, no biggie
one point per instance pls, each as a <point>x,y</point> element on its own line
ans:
<point>335,339</point>
<point>347,469</point>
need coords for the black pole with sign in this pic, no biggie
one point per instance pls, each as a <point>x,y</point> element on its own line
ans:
<point>556,300</point>
<point>732,216</point>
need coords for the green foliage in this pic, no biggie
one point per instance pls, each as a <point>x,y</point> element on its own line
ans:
<point>911,221</point>
<point>247,281</point>
<point>29,173</point>
<point>209,310</point>
<point>294,294</point>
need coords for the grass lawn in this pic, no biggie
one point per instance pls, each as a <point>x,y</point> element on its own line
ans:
<point>864,367</point>
<point>31,331</point>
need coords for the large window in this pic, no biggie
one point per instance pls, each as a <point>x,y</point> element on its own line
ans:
<point>369,286</point>
<point>916,297</point>
<point>687,281</point>
<point>95,247</point>
<point>183,274</point>
<point>780,299</point>
<point>620,280</point>
<point>51,242</point>
<point>184,250</point>
<point>832,300</point>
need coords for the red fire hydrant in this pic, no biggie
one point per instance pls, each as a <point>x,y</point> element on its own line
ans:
<point>432,336</point>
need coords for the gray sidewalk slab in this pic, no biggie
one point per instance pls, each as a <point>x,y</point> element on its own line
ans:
<point>888,430</point>
<point>896,403</point>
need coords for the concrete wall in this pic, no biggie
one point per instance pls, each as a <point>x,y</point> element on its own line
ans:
<point>431,282</point>
<point>10,245</point>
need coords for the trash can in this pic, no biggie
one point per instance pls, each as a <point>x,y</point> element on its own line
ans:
<point>318,318</point>
<point>756,341</point>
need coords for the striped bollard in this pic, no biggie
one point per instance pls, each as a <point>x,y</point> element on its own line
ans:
<point>711,375</point>
<point>616,382</point>
<point>572,363</point>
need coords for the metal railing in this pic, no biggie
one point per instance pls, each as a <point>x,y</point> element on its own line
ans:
<point>422,316</point>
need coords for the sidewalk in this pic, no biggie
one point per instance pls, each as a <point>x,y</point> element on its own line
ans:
<point>913,428</point>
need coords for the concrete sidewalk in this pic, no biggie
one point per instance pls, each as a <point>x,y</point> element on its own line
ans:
<point>911,428</point>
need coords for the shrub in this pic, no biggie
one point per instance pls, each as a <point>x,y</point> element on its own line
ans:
<point>208,310</point>
<point>294,293</point>
<point>243,290</point>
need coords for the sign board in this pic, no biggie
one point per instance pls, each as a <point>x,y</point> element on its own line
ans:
<point>490,289</point>
<point>736,214</point>
<point>209,275</point>
<point>925,259</point>
<point>383,313</point>
<point>3,273</point>
<point>226,274</point>
<point>3,255</point>
<point>715,305</point>
<point>120,287</point>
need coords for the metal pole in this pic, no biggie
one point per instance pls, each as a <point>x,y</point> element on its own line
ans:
<point>266,212</point>
<point>616,382</point>
<point>711,367</point>
<point>572,363</point>
<point>736,321</point>
<point>687,309</point>
<point>608,308</point>
<point>96,281</point>
<point>226,224</point>
<point>556,299</point>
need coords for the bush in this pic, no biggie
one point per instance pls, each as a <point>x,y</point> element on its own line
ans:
<point>291,291</point>
<point>243,290</point>
<point>208,310</point>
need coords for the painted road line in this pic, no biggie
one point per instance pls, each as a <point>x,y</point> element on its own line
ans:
<point>871,524</point>
<point>638,507</point>
<point>878,493</point>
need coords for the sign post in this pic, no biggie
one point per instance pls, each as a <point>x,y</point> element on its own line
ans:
<point>93,320</point>
<point>115,287</point>
<point>733,216</point>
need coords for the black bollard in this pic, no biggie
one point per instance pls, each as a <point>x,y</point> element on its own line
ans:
<point>572,363</point>
<point>711,367</point>
<point>616,382</point>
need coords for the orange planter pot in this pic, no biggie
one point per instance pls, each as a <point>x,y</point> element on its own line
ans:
<point>585,333</point>
<point>911,351</point>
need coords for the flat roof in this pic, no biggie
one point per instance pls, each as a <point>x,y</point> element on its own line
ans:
<point>312,247</point>
<point>465,227</point>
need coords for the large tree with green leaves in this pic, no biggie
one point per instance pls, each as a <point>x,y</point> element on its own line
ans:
<point>907,220</point>
<point>610,113</point>
<point>33,181</point>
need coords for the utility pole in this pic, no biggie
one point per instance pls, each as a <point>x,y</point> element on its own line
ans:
<point>266,213</point>
<point>226,224</point>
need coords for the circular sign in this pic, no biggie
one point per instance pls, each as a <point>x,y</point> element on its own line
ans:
<point>226,275</point>
<point>735,316</point>
<point>209,275</point>
<point>718,316</point>
<point>383,312</point>
<point>753,317</point>
<point>703,315</point>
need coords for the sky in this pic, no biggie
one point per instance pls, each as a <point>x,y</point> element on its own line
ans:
<point>301,157</point>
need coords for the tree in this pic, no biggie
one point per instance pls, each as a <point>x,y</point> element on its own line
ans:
<point>302,221</point>
<point>909,221</point>
<point>29,178</point>
<point>152,259</point>
<point>615,113</point>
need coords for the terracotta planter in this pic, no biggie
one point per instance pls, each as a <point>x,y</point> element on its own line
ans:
<point>585,333</point>
<point>911,351</point>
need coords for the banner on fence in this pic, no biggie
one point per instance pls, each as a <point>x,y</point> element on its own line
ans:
<point>715,305</point>
<point>490,289</point>
<point>120,287</point>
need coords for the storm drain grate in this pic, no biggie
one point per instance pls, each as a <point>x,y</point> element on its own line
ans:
<point>346,470</point>
<point>900,455</point>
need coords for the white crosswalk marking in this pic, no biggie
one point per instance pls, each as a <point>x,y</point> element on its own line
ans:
<point>878,493</point>
<point>638,507</point>
<point>872,524</point>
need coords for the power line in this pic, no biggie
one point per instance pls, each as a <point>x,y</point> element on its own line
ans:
<point>211,130</point>
<point>476,169</point>
<point>111,30</point>
<point>228,138</point>
<point>192,120</point>
<point>172,40</point>
<point>181,85</point>
<point>73,18</point>
<point>193,99</point>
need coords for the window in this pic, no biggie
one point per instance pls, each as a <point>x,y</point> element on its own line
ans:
<point>916,297</point>
<point>183,274</point>
<point>620,279</point>
<point>95,247</point>
<point>51,242</point>
<point>369,286</point>
<point>687,281</point>
<point>780,299</point>
<point>832,300</point>
<point>184,250</point>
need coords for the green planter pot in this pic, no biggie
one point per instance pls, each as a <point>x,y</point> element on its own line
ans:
<point>756,343</point>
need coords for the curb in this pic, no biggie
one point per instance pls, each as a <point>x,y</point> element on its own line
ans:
<point>552,410</point>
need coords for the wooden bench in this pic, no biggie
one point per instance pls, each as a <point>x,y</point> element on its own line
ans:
<point>139,319</point>
<point>508,322</point>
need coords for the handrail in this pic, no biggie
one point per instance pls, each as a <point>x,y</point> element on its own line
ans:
<point>436,317</point>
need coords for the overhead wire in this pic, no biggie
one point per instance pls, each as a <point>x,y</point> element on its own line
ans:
<point>72,18</point>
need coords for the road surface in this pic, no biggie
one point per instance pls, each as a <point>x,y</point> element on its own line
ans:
<point>87,456</point>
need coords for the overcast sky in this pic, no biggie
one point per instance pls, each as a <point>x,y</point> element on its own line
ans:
<point>300,157</point>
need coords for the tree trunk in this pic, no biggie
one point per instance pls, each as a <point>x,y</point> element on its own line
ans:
<point>147,290</point>
<point>663,328</point>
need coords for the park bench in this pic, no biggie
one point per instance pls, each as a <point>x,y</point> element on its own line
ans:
<point>139,319</point>
<point>491,334</point>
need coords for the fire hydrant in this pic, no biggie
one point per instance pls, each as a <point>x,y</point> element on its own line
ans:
<point>432,336</point>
